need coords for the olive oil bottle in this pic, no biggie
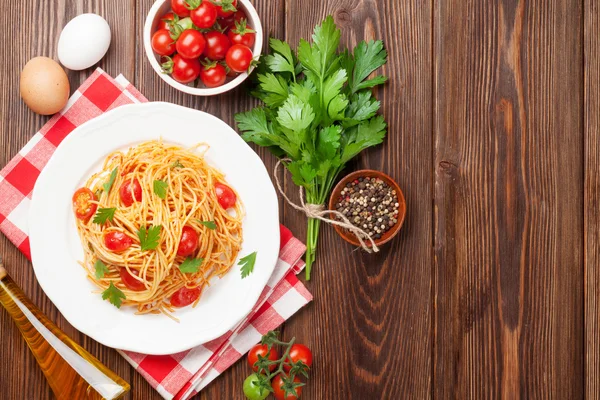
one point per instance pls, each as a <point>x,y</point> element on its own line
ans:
<point>72,372</point>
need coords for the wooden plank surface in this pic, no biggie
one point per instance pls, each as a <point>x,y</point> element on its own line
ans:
<point>508,173</point>
<point>592,197</point>
<point>491,288</point>
<point>375,309</point>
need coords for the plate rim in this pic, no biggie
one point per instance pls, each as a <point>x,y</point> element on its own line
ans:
<point>173,348</point>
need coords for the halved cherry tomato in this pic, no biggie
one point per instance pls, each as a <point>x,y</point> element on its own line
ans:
<point>217,44</point>
<point>262,350</point>
<point>242,34</point>
<point>129,280</point>
<point>213,75</point>
<point>82,204</point>
<point>299,352</point>
<point>225,195</point>
<point>179,8</point>
<point>184,297</point>
<point>130,191</point>
<point>239,57</point>
<point>117,241</point>
<point>162,43</point>
<point>205,15</point>
<point>279,393</point>
<point>226,8</point>
<point>164,21</point>
<point>190,44</point>
<point>188,243</point>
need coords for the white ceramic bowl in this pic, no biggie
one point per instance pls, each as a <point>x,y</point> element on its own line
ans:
<point>160,8</point>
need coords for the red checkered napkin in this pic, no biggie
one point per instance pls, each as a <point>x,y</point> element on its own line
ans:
<point>178,375</point>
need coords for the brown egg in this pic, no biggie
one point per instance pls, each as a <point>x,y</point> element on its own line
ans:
<point>44,86</point>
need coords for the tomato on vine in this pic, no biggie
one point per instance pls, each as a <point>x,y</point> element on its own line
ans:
<point>279,375</point>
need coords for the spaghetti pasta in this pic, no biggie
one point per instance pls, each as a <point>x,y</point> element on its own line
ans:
<point>169,192</point>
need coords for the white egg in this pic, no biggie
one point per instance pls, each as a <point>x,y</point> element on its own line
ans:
<point>83,41</point>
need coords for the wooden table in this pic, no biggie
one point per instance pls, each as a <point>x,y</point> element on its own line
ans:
<point>493,286</point>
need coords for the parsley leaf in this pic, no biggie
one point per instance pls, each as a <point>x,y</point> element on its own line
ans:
<point>160,188</point>
<point>208,224</point>
<point>247,264</point>
<point>281,60</point>
<point>295,115</point>
<point>367,58</point>
<point>103,215</point>
<point>100,268</point>
<point>111,180</point>
<point>177,164</point>
<point>275,88</point>
<point>190,265</point>
<point>149,237</point>
<point>114,295</point>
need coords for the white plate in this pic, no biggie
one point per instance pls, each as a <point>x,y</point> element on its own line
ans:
<point>56,249</point>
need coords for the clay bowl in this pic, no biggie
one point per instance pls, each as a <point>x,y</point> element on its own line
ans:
<point>369,173</point>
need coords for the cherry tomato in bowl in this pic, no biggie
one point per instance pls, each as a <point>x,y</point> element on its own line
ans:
<point>83,204</point>
<point>117,241</point>
<point>217,44</point>
<point>129,280</point>
<point>183,70</point>
<point>130,192</point>
<point>213,75</point>
<point>188,243</point>
<point>262,350</point>
<point>184,297</point>
<point>179,7</point>
<point>165,21</point>
<point>190,44</point>
<point>162,43</point>
<point>242,34</point>
<point>239,58</point>
<point>226,8</point>
<point>205,15</point>
<point>225,195</point>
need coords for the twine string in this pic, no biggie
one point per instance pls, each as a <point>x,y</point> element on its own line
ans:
<point>318,211</point>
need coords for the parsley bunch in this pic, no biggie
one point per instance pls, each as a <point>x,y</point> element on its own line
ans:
<point>318,111</point>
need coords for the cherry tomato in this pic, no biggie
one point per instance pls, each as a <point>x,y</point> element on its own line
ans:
<point>162,43</point>
<point>184,297</point>
<point>299,352</point>
<point>251,389</point>
<point>117,241</point>
<point>164,21</point>
<point>240,15</point>
<point>188,243</point>
<point>239,57</point>
<point>279,393</point>
<point>190,44</point>
<point>217,44</point>
<point>82,204</point>
<point>129,280</point>
<point>213,75</point>
<point>179,8</point>
<point>205,15</point>
<point>226,8</point>
<point>242,34</point>
<point>130,191</point>
<point>262,350</point>
<point>225,195</point>
<point>185,70</point>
